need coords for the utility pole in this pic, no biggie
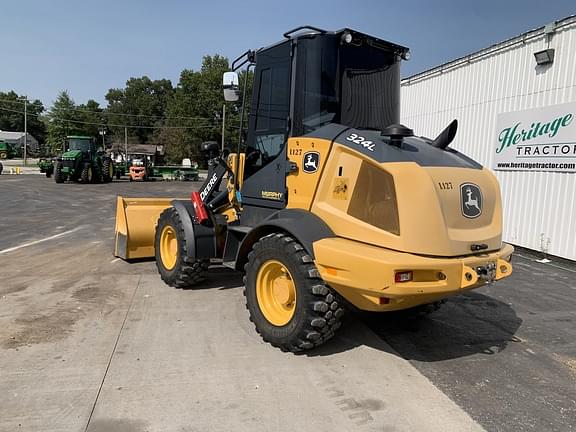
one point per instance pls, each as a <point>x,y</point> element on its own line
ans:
<point>25,127</point>
<point>223,124</point>
<point>126,144</point>
<point>103,133</point>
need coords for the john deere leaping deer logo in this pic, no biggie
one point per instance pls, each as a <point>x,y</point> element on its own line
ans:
<point>310,162</point>
<point>470,200</point>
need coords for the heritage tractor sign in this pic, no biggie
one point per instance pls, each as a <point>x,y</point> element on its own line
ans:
<point>541,139</point>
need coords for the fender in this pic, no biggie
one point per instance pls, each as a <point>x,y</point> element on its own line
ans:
<point>200,239</point>
<point>303,225</point>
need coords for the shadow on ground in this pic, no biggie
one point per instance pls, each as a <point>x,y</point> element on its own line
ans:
<point>219,277</point>
<point>468,324</point>
<point>465,325</point>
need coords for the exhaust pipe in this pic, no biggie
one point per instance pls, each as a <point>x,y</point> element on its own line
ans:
<point>446,136</point>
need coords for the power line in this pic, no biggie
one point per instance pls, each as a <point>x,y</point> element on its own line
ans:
<point>114,125</point>
<point>109,113</point>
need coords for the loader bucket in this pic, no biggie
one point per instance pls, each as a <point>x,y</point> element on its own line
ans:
<point>136,224</point>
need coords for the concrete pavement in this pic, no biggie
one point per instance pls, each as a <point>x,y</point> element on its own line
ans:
<point>89,342</point>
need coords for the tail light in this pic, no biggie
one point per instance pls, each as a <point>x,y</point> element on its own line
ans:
<point>199,209</point>
<point>403,276</point>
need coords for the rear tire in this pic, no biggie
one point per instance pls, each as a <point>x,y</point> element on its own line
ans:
<point>58,176</point>
<point>312,312</point>
<point>107,170</point>
<point>175,267</point>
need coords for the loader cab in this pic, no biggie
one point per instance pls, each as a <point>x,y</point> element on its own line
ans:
<point>311,79</point>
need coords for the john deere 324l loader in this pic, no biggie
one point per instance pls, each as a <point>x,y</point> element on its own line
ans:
<point>328,201</point>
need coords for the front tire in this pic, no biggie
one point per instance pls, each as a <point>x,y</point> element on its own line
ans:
<point>175,267</point>
<point>290,305</point>
<point>58,175</point>
<point>87,175</point>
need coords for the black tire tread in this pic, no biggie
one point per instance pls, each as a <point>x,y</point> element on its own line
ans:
<point>106,169</point>
<point>188,271</point>
<point>322,314</point>
<point>58,177</point>
<point>84,175</point>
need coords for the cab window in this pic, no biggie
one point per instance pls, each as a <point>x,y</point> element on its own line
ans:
<point>270,108</point>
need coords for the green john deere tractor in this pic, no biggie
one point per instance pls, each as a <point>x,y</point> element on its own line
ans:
<point>46,166</point>
<point>82,160</point>
<point>6,151</point>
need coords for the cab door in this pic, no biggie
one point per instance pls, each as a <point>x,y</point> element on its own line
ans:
<point>264,187</point>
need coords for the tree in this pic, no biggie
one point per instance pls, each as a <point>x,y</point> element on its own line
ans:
<point>66,118</point>
<point>62,120</point>
<point>142,102</point>
<point>92,115</point>
<point>197,104</point>
<point>12,115</point>
<point>176,144</point>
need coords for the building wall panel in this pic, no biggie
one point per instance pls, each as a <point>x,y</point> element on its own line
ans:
<point>539,207</point>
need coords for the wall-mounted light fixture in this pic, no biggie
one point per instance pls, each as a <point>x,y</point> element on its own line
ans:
<point>544,57</point>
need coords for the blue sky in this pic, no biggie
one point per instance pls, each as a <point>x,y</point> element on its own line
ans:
<point>89,47</point>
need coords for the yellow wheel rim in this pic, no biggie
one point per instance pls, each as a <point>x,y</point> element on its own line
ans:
<point>276,292</point>
<point>110,171</point>
<point>168,247</point>
<point>89,174</point>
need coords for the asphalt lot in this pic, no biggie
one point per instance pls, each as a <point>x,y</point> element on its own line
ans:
<point>89,342</point>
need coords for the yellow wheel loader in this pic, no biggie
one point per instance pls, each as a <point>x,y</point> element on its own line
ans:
<point>328,201</point>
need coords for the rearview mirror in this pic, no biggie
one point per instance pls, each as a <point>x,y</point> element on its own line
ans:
<point>230,83</point>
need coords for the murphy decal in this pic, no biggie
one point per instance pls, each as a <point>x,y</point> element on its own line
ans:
<point>541,139</point>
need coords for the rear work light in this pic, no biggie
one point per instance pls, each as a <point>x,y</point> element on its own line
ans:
<point>199,209</point>
<point>403,276</point>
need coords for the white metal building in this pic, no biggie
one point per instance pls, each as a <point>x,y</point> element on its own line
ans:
<point>16,139</point>
<point>507,104</point>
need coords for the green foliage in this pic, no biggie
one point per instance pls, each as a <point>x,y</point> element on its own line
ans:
<point>179,118</point>
<point>61,121</point>
<point>12,115</point>
<point>142,102</point>
<point>66,118</point>
<point>91,114</point>
<point>197,104</point>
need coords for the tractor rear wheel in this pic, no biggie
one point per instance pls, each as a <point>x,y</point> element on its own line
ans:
<point>107,170</point>
<point>58,176</point>
<point>87,175</point>
<point>290,305</point>
<point>175,267</point>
